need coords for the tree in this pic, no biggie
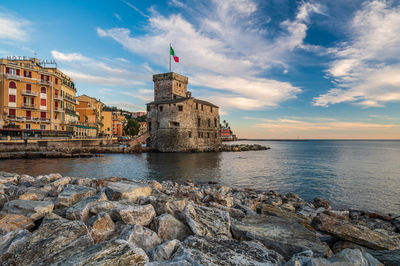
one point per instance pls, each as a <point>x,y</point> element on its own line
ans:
<point>132,127</point>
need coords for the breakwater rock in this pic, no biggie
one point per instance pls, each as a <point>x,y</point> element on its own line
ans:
<point>56,220</point>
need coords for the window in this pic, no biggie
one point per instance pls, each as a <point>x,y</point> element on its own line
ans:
<point>28,87</point>
<point>56,117</point>
<point>43,115</point>
<point>190,134</point>
<point>43,102</point>
<point>197,106</point>
<point>11,98</point>
<point>174,124</point>
<point>161,108</point>
<point>12,85</point>
<point>209,123</point>
<point>180,107</point>
<point>56,81</point>
<point>28,126</point>
<point>42,127</point>
<point>215,135</point>
<point>215,122</point>
<point>28,114</point>
<point>208,135</point>
<point>198,122</point>
<point>42,90</point>
<point>11,112</point>
<point>149,126</point>
<point>55,127</point>
<point>198,135</point>
<point>202,107</point>
<point>158,125</point>
<point>211,109</point>
<point>148,107</point>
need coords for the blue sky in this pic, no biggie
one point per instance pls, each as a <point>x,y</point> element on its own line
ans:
<point>276,68</point>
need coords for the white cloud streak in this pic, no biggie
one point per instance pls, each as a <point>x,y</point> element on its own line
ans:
<point>366,70</point>
<point>13,27</point>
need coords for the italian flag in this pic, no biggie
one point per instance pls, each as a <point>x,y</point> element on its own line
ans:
<point>176,59</point>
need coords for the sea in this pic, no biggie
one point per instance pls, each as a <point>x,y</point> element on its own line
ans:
<point>358,174</point>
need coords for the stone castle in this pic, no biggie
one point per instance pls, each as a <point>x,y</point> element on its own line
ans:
<point>177,121</point>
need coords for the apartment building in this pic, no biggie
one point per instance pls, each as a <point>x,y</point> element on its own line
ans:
<point>33,99</point>
<point>90,112</point>
<point>107,123</point>
<point>118,123</point>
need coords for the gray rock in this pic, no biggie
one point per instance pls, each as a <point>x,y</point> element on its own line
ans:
<point>130,213</point>
<point>11,243</point>
<point>8,178</point>
<point>140,236</point>
<point>103,206</point>
<point>167,204</point>
<point>205,221</point>
<point>285,236</point>
<point>113,252</point>
<point>127,190</point>
<point>29,208</point>
<point>54,236</point>
<point>72,194</point>
<point>387,257</point>
<point>169,228</point>
<point>81,210</point>
<point>356,233</point>
<point>101,227</point>
<point>211,251</point>
<point>33,193</point>
<point>12,222</point>
<point>300,259</point>
<point>164,251</point>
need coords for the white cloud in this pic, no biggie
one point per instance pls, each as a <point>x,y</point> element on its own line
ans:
<point>117,17</point>
<point>13,27</point>
<point>126,106</point>
<point>225,49</point>
<point>366,70</point>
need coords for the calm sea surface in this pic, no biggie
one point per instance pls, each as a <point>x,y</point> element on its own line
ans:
<point>360,174</point>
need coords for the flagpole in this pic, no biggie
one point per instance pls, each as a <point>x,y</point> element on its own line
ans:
<point>170,57</point>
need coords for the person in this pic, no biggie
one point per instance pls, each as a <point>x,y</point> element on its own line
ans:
<point>26,141</point>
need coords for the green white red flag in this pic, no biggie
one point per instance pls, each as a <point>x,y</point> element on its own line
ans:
<point>172,52</point>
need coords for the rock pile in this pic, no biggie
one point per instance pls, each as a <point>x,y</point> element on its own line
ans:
<point>55,220</point>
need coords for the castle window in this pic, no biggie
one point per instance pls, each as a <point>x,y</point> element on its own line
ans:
<point>149,124</point>
<point>209,122</point>
<point>208,134</point>
<point>198,122</point>
<point>215,135</point>
<point>174,124</point>
<point>174,96</point>
<point>180,107</point>
<point>197,106</point>
<point>148,107</point>
<point>190,134</point>
<point>158,125</point>
<point>215,122</point>
<point>211,109</point>
<point>198,135</point>
<point>161,108</point>
<point>202,107</point>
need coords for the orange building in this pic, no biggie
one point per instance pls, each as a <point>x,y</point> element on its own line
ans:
<point>90,112</point>
<point>118,124</point>
<point>31,98</point>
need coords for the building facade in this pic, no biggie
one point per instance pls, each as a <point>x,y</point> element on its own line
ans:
<point>90,112</point>
<point>107,123</point>
<point>118,123</point>
<point>178,122</point>
<point>31,99</point>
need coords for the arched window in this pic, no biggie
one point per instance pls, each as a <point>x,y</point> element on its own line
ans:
<point>12,85</point>
<point>42,90</point>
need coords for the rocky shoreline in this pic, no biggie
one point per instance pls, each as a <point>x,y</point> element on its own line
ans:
<point>68,152</point>
<point>56,220</point>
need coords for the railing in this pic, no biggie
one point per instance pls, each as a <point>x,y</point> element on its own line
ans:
<point>29,93</point>
<point>28,119</point>
<point>69,99</point>
<point>28,105</point>
<point>58,97</point>
<point>12,76</point>
<point>45,82</point>
<point>58,109</point>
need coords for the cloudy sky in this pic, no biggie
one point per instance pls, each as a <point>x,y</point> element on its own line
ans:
<point>276,68</point>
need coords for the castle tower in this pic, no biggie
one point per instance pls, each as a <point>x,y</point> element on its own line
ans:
<point>169,86</point>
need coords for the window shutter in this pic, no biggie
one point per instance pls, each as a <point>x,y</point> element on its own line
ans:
<point>7,70</point>
<point>33,101</point>
<point>28,87</point>
<point>25,100</point>
<point>17,72</point>
<point>41,77</point>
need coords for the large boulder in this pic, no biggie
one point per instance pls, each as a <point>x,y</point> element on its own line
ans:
<point>205,221</point>
<point>164,251</point>
<point>169,228</point>
<point>356,233</point>
<point>8,178</point>
<point>11,243</point>
<point>12,222</point>
<point>101,227</point>
<point>285,236</point>
<point>388,257</point>
<point>343,258</point>
<point>140,236</point>
<point>81,210</point>
<point>29,208</point>
<point>127,190</point>
<point>131,213</point>
<point>113,252</point>
<point>33,194</point>
<point>72,194</point>
<point>211,251</point>
<point>166,204</point>
<point>54,236</point>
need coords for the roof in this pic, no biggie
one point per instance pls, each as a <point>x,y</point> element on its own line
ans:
<point>182,100</point>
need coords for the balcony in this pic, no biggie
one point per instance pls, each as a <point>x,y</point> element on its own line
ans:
<point>14,77</point>
<point>70,99</point>
<point>58,109</point>
<point>29,93</point>
<point>45,82</point>
<point>28,119</point>
<point>28,106</point>
<point>58,97</point>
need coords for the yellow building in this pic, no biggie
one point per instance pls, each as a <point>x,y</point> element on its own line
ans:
<point>107,123</point>
<point>118,123</point>
<point>90,112</point>
<point>32,98</point>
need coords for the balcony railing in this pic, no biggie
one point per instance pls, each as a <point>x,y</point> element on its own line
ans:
<point>58,109</point>
<point>58,97</point>
<point>28,119</point>
<point>29,93</point>
<point>45,82</point>
<point>12,76</point>
<point>69,99</point>
<point>28,105</point>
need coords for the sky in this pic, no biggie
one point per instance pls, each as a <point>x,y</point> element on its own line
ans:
<point>278,69</point>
